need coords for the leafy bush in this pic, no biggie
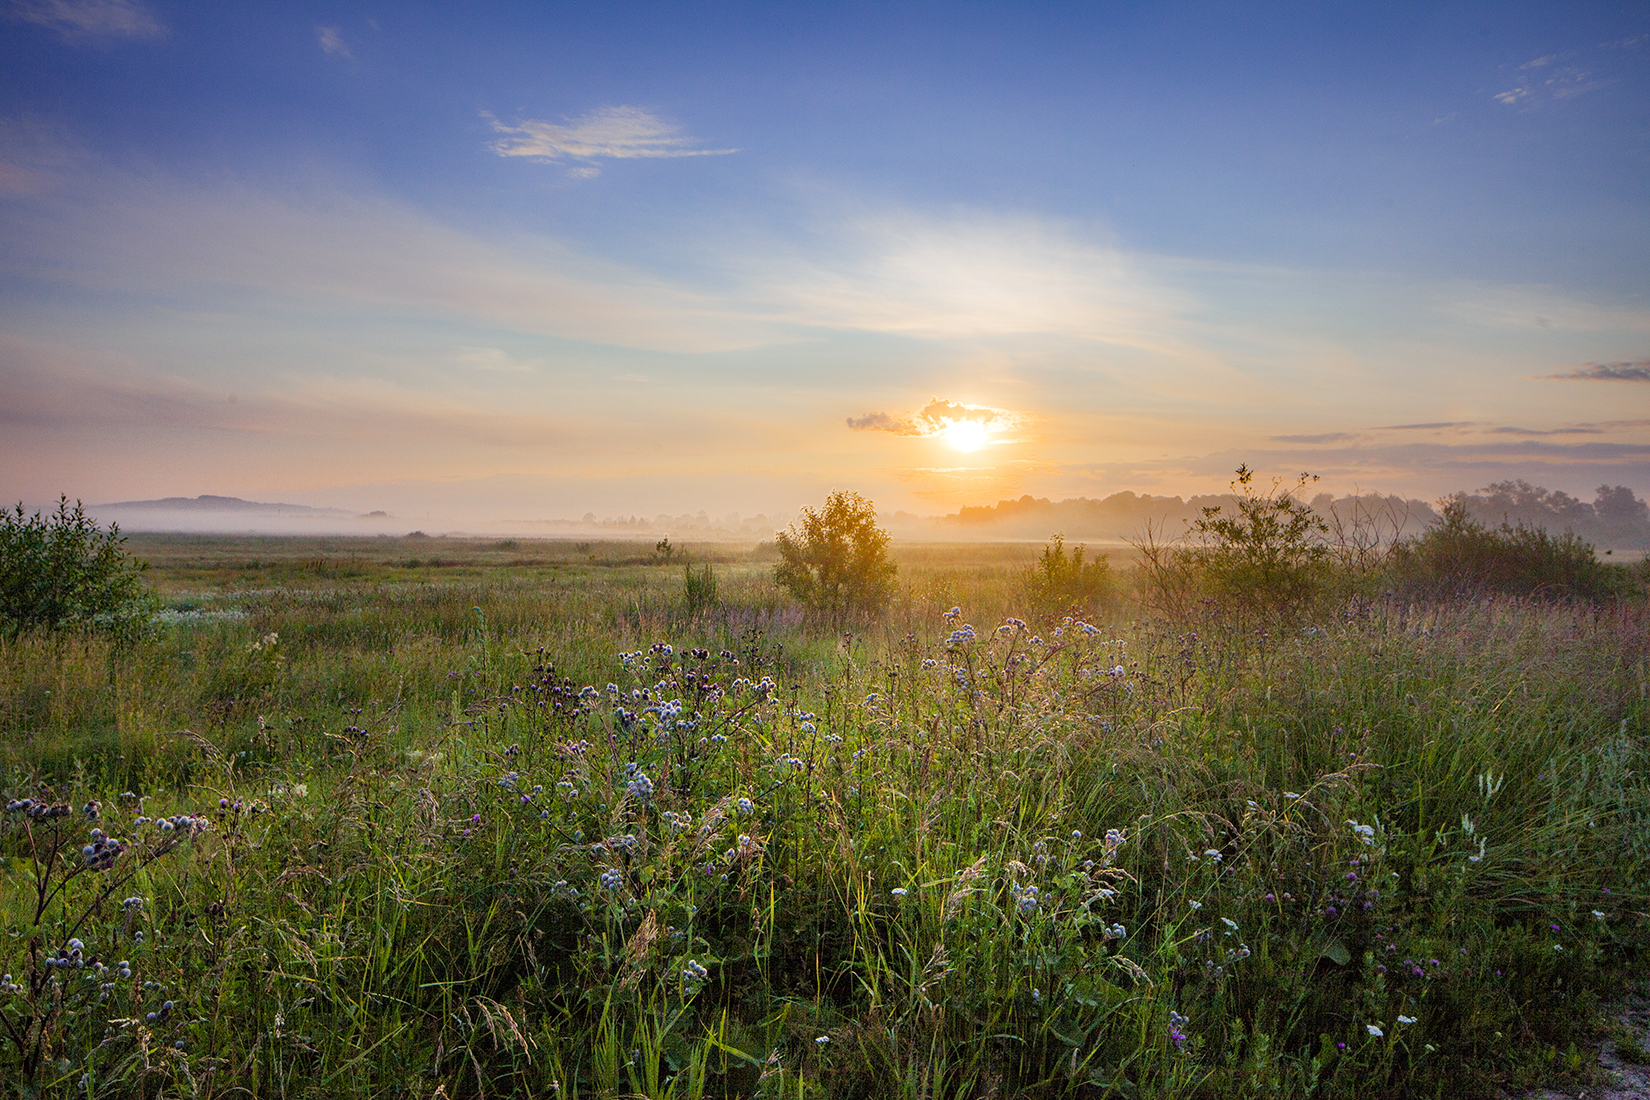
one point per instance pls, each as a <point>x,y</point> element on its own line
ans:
<point>700,587</point>
<point>1461,556</point>
<point>836,559</point>
<point>1061,580</point>
<point>65,571</point>
<point>1273,556</point>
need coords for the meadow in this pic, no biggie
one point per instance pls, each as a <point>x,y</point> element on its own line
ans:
<point>446,817</point>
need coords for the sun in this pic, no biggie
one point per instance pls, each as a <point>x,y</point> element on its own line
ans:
<point>965,435</point>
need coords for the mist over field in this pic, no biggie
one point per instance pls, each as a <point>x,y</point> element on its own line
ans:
<point>880,551</point>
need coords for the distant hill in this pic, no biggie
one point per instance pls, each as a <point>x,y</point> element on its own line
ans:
<point>220,504</point>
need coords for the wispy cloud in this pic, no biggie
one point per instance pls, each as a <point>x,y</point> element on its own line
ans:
<point>1636,371</point>
<point>329,252</point>
<point>615,133</point>
<point>1509,430</point>
<point>332,42</point>
<point>1326,437</point>
<point>496,360</point>
<point>1547,78</point>
<point>81,19</point>
<point>969,277</point>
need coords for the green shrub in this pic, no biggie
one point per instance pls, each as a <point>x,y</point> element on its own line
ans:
<point>1062,580</point>
<point>64,571</point>
<point>836,559</point>
<point>1272,555</point>
<point>1459,556</point>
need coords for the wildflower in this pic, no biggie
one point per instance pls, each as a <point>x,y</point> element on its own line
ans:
<point>695,972</point>
<point>1027,900</point>
<point>1365,833</point>
<point>1177,1029</point>
<point>612,878</point>
<point>1196,905</point>
<point>1374,1032</point>
<point>1598,914</point>
<point>640,787</point>
<point>1213,853</point>
<point>899,891</point>
<point>823,1039</point>
<point>1406,1019</point>
<point>1230,924</point>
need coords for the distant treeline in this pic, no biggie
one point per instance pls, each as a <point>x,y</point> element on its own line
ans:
<point>1616,519</point>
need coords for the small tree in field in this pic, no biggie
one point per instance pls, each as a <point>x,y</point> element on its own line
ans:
<point>66,571</point>
<point>836,559</point>
<point>1270,554</point>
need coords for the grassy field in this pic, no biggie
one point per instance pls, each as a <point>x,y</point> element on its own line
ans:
<point>463,818</point>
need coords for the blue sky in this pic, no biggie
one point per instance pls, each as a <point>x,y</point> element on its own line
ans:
<point>534,260</point>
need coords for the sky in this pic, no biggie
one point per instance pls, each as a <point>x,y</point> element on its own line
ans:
<point>536,260</point>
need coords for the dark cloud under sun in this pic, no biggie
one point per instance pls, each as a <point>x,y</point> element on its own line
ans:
<point>965,427</point>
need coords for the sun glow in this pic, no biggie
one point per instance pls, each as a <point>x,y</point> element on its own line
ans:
<point>965,435</point>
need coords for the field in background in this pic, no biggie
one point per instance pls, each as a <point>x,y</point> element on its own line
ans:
<point>467,828</point>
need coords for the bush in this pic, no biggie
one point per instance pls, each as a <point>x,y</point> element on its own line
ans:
<point>836,559</point>
<point>65,572</point>
<point>1271,556</point>
<point>1062,580</point>
<point>1459,556</point>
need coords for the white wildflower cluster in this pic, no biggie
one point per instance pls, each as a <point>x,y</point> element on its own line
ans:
<point>640,787</point>
<point>1365,833</point>
<point>101,853</point>
<point>763,687</point>
<point>39,810</point>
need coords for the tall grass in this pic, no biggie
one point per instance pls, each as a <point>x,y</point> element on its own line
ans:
<point>924,858</point>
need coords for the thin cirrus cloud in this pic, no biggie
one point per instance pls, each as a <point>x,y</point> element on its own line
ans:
<point>333,252</point>
<point>608,133</point>
<point>1636,371</point>
<point>1322,437</point>
<point>969,277</point>
<point>82,19</point>
<point>332,42</point>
